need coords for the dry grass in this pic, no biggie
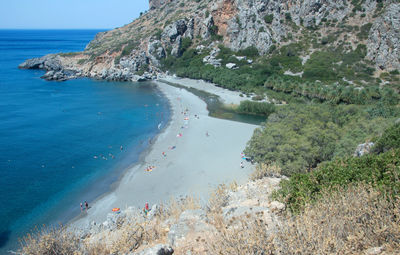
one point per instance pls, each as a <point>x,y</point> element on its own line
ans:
<point>218,198</point>
<point>245,236</point>
<point>265,170</point>
<point>175,207</point>
<point>347,222</point>
<point>49,241</point>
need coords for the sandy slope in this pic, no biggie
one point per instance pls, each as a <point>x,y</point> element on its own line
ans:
<point>197,165</point>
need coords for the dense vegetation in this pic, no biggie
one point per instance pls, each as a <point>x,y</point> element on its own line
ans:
<point>389,140</point>
<point>323,79</point>
<point>298,137</point>
<point>380,171</point>
<point>258,108</point>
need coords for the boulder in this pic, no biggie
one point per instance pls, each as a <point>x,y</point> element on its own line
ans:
<point>172,31</point>
<point>155,52</point>
<point>375,251</point>
<point>363,149</point>
<point>231,66</point>
<point>276,206</point>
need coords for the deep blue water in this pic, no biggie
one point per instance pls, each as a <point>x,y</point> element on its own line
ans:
<point>50,133</point>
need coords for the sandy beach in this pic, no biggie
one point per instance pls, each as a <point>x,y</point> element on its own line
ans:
<point>200,153</point>
<point>226,96</point>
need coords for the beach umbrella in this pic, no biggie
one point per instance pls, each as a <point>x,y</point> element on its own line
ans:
<point>116,209</point>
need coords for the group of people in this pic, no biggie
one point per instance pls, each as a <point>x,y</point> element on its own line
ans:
<point>86,206</point>
<point>109,154</point>
<point>150,168</point>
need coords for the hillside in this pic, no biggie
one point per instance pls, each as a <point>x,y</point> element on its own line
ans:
<point>336,44</point>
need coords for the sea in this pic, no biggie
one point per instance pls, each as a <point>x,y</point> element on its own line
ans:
<point>63,143</point>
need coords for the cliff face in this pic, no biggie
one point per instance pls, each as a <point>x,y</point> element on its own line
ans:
<point>139,47</point>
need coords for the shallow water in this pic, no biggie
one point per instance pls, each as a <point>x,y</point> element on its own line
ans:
<point>60,142</point>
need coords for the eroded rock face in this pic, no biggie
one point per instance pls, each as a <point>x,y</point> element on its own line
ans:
<point>48,62</point>
<point>247,26</point>
<point>383,46</point>
<point>238,24</point>
<point>156,4</point>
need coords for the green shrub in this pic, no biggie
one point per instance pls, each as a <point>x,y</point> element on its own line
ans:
<point>185,45</point>
<point>269,18</point>
<point>249,52</point>
<point>390,139</point>
<point>380,171</point>
<point>299,137</point>
<point>364,31</point>
<point>288,17</point>
<point>128,48</point>
<point>258,108</point>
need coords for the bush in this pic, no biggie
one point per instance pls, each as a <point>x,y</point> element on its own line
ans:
<point>299,137</point>
<point>380,171</point>
<point>389,140</point>
<point>249,52</point>
<point>364,31</point>
<point>269,18</point>
<point>185,45</point>
<point>258,108</point>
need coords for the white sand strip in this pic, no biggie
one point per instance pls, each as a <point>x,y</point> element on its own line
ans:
<point>227,96</point>
<point>196,165</point>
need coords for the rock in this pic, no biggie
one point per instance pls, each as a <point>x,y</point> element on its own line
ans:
<point>156,52</point>
<point>176,47</point>
<point>363,149</point>
<point>172,31</point>
<point>156,4</point>
<point>190,220</point>
<point>155,210</point>
<point>375,250</point>
<point>159,249</point>
<point>276,206</point>
<point>231,66</point>
<point>48,62</point>
<point>200,49</point>
<point>211,59</point>
<point>240,58</point>
<point>236,212</point>
<point>383,46</point>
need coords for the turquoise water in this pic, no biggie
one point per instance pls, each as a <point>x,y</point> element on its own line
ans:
<point>60,142</point>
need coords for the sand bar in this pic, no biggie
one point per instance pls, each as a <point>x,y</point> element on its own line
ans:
<point>227,96</point>
<point>200,153</point>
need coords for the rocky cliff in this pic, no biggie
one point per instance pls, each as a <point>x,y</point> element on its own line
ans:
<point>138,48</point>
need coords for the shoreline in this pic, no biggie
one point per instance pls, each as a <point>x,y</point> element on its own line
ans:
<point>140,160</point>
<point>185,170</point>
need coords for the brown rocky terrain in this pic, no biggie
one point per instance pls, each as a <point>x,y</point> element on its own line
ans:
<point>138,48</point>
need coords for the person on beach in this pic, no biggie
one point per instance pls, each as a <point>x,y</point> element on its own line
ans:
<point>241,164</point>
<point>207,134</point>
<point>121,148</point>
<point>81,207</point>
<point>163,153</point>
<point>86,205</point>
<point>146,208</point>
